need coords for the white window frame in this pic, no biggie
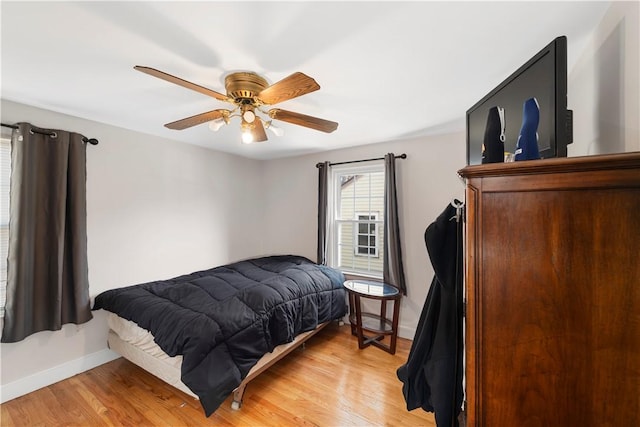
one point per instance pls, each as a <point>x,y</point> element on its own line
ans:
<point>5,139</point>
<point>333,252</point>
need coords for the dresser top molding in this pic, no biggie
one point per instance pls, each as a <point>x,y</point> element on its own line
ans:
<point>603,162</point>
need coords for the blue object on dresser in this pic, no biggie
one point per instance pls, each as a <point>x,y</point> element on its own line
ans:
<point>527,146</point>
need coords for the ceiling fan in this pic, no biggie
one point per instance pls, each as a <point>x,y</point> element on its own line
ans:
<point>250,94</point>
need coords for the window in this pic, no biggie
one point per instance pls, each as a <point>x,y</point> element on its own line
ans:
<point>5,174</point>
<point>356,216</point>
<point>366,242</point>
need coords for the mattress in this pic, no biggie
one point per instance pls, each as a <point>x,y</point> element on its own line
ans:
<point>136,345</point>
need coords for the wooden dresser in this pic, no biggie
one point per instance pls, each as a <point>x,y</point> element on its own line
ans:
<point>553,292</point>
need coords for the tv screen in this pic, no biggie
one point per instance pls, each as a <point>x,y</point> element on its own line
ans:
<point>543,77</point>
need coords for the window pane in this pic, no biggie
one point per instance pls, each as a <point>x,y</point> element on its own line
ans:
<point>359,206</point>
<point>345,246</point>
<point>347,195</point>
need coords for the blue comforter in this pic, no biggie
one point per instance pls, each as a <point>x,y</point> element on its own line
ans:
<point>224,319</point>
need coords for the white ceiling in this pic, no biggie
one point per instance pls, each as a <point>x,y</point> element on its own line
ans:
<point>387,70</point>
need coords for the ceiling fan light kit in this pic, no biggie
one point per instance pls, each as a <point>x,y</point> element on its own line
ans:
<point>247,134</point>
<point>216,124</point>
<point>273,128</point>
<point>250,94</point>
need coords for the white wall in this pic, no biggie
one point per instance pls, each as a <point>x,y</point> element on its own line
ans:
<point>426,181</point>
<point>604,85</point>
<point>155,209</point>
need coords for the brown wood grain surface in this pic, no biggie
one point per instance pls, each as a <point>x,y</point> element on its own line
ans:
<point>553,285</point>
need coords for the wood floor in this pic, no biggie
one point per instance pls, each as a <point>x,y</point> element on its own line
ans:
<point>329,383</point>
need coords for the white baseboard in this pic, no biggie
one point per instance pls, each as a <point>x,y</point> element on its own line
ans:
<point>53,375</point>
<point>406,332</point>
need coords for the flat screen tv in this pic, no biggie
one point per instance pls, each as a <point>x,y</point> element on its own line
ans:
<point>543,77</point>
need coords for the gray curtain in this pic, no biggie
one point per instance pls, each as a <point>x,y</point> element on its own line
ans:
<point>47,283</point>
<point>392,270</point>
<point>323,183</point>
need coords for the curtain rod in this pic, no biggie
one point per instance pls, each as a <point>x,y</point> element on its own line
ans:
<point>401,156</point>
<point>91,141</point>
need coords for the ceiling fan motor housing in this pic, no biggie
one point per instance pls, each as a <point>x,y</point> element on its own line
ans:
<point>244,86</point>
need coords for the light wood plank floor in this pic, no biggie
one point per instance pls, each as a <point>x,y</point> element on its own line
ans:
<point>329,383</point>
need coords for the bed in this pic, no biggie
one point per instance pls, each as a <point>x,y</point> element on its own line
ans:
<point>210,332</point>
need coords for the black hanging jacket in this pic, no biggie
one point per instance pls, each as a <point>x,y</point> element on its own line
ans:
<point>433,373</point>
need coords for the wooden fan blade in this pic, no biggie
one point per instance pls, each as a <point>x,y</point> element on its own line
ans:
<point>180,82</point>
<point>258,132</point>
<point>197,119</point>
<point>303,120</point>
<point>297,84</point>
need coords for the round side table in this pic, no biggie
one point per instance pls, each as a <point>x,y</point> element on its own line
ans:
<point>370,328</point>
